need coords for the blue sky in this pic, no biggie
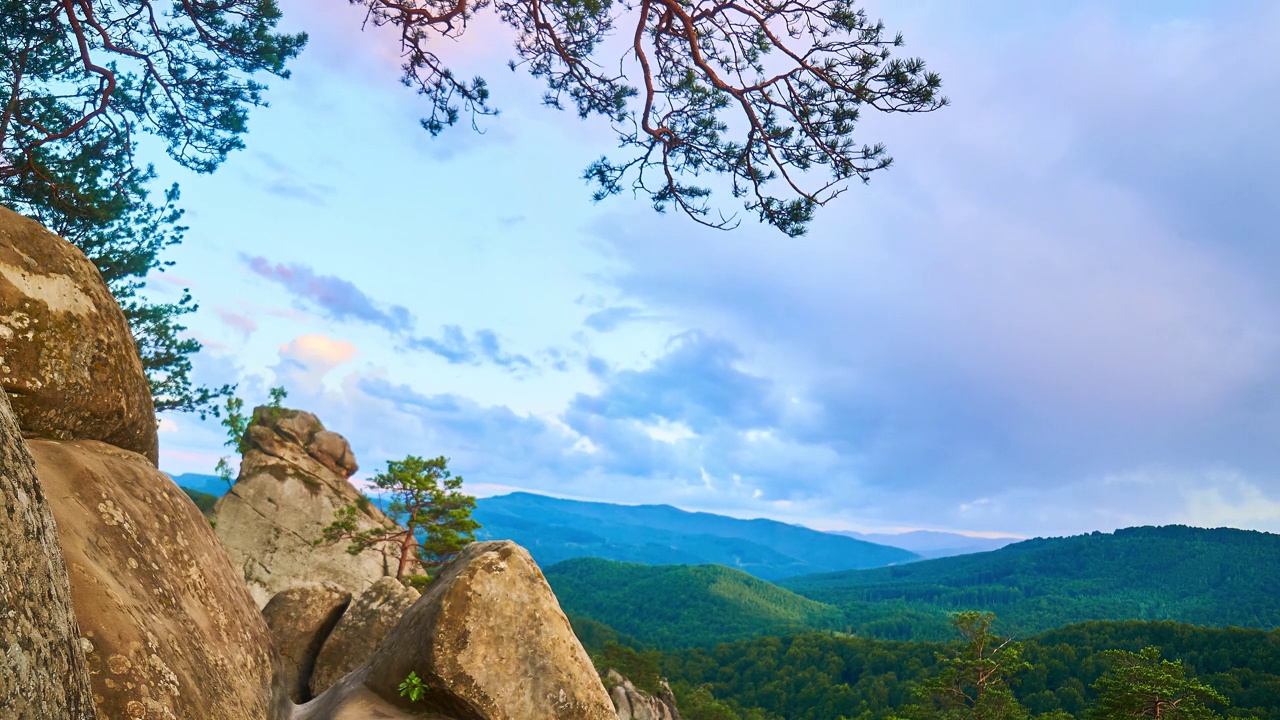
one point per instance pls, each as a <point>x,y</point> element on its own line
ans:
<point>1056,313</point>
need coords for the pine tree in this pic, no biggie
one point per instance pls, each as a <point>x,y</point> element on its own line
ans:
<point>432,515</point>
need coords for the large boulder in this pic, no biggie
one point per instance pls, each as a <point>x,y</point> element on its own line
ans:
<point>635,704</point>
<point>300,619</point>
<point>361,630</point>
<point>42,666</point>
<point>490,643</point>
<point>293,478</point>
<point>169,629</point>
<point>67,358</point>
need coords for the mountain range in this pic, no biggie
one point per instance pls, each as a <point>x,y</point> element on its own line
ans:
<point>555,530</point>
<point>932,543</point>
<point>1219,578</point>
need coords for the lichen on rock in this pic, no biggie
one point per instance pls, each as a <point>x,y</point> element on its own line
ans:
<point>67,359</point>
<point>293,478</point>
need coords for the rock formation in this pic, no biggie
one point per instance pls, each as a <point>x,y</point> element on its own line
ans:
<point>361,630</point>
<point>300,619</point>
<point>491,643</point>
<point>67,359</point>
<point>42,667</point>
<point>293,478</point>
<point>170,630</point>
<point>634,704</point>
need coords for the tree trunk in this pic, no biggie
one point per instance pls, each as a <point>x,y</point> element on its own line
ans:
<point>406,548</point>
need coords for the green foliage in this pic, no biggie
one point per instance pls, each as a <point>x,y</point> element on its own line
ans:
<point>80,83</point>
<point>413,687</point>
<point>203,500</point>
<point>641,667</point>
<point>236,424</point>
<point>680,605</point>
<point>973,683</point>
<point>1210,577</point>
<point>594,634</point>
<point>1143,685</point>
<point>819,676</point>
<point>432,513</point>
<point>277,396</point>
<point>767,94</point>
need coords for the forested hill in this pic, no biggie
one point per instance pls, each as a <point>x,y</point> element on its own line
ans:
<point>679,605</point>
<point>554,530</point>
<point>1219,577</point>
<point>819,676</point>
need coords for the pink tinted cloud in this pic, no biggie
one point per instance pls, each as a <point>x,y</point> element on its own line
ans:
<point>241,323</point>
<point>341,40</point>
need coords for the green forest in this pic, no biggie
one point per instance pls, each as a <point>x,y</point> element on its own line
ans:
<point>1216,578</point>
<point>681,605</point>
<point>825,676</point>
<point>1220,577</point>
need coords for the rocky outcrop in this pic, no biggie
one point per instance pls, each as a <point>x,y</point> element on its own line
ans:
<point>169,629</point>
<point>293,478</point>
<point>42,667</point>
<point>361,630</point>
<point>634,704</point>
<point>490,642</point>
<point>300,619</point>
<point>67,358</point>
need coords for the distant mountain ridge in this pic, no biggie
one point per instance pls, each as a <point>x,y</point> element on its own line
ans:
<point>555,530</point>
<point>933,543</point>
<point>683,605</point>
<point>1215,578</point>
<point>211,484</point>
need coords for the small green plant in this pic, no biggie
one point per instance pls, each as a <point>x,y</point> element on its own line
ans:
<point>277,395</point>
<point>237,423</point>
<point>413,687</point>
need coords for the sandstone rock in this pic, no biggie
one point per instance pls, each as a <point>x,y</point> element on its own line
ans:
<point>363,627</point>
<point>42,666</point>
<point>634,704</point>
<point>300,619</point>
<point>171,631</point>
<point>293,478</point>
<point>67,359</point>
<point>490,641</point>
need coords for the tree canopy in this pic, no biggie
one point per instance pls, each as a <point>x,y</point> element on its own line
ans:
<point>81,82</point>
<point>431,516</point>
<point>765,93</point>
<point>1144,685</point>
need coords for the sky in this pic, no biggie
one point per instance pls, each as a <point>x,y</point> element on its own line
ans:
<point>1056,313</point>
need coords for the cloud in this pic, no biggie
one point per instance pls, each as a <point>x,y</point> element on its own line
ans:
<point>696,383</point>
<point>307,359</point>
<point>608,319</point>
<point>456,347</point>
<point>240,323</point>
<point>340,299</point>
<point>1044,290</point>
<point>337,298</point>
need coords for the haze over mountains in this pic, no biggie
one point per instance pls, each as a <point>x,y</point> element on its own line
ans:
<point>932,543</point>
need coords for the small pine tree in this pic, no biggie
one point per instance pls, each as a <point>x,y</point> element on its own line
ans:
<point>973,684</point>
<point>1142,685</point>
<point>427,502</point>
<point>237,423</point>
